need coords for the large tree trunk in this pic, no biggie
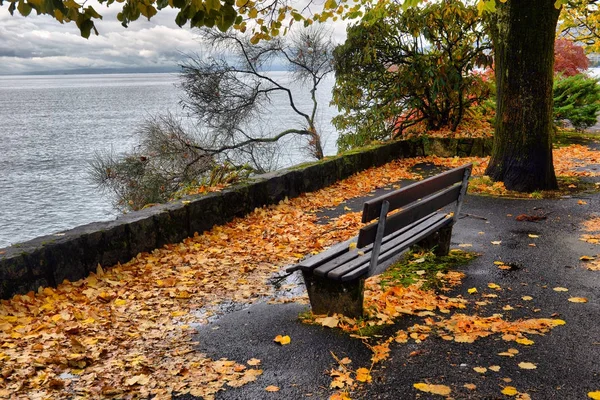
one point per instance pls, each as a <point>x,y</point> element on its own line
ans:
<point>523,33</point>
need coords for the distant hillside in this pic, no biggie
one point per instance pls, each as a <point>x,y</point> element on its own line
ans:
<point>83,71</point>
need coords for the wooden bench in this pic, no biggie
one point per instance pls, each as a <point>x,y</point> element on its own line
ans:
<point>335,278</point>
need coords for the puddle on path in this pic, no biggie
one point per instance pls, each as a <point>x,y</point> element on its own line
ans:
<point>286,288</point>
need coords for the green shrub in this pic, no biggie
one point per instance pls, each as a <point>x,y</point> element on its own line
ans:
<point>577,100</point>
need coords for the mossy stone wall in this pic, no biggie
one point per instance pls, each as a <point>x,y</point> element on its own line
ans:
<point>73,254</point>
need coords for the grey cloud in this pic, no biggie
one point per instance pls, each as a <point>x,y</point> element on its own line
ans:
<point>39,43</point>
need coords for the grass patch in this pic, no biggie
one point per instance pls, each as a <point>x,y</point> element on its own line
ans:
<point>424,266</point>
<point>565,138</point>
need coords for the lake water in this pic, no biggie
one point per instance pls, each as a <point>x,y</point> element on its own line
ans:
<point>52,126</point>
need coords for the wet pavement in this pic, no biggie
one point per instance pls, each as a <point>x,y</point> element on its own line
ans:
<point>567,358</point>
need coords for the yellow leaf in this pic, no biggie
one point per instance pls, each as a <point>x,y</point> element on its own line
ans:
<point>253,362</point>
<point>587,258</point>
<point>120,302</point>
<point>560,289</point>
<point>363,375</point>
<point>494,368</point>
<point>272,388</point>
<point>496,242</point>
<point>352,246</point>
<point>508,307</point>
<point>494,286</point>
<point>527,298</point>
<point>510,391</point>
<point>594,395</point>
<point>481,370</point>
<point>465,245</point>
<point>472,290</point>
<point>578,300</point>
<point>442,390</point>
<point>498,262</point>
<point>527,365</point>
<point>533,236</point>
<point>524,341</point>
<point>470,386</point>
<point>282,340</point>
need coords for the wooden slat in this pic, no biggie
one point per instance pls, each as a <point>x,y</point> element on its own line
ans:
<point>418,190</point>
<point>324,268</point>
<point>357,268</point>
<point>323,257</point>
<point>412,213</point>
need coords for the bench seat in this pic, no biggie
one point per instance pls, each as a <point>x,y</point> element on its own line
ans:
<point>335,277</point>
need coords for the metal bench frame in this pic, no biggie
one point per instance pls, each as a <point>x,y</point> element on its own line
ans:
<point>335,278</point>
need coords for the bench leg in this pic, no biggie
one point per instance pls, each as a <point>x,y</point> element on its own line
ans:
<point>334,297</point>
<point>439,241</point>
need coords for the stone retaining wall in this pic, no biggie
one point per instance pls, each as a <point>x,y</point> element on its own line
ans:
<point>73,254</point>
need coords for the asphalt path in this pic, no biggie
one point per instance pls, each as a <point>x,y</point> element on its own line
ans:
<point>567,358</point>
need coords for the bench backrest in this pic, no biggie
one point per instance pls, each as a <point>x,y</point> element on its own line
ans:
<point>414,202</point>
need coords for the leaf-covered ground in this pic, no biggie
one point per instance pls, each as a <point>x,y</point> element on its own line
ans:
<point>127,331</point>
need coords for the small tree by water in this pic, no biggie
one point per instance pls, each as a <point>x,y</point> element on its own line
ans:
<point>228,95</point>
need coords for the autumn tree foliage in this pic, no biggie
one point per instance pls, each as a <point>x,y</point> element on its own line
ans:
<point>569,58</point>
<point>523,34</point>
<point>397,69</point>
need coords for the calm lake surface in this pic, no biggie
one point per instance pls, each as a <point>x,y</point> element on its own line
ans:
<point>52,126</point>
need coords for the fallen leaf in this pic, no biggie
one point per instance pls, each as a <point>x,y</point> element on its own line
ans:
<point>560,289</point>
<point>494,368</point>
<point>465,245</point>
<point>527,365</point>
<point>527,298</point>
<point>530,218</point>
<point>339,396</point>
<point>272,388</point>
<point>441,390</point>
<point>533,236</point>
<point>282,340</point>
<point>496,242</point>
<point>363,375</point>
<point>481,370</point>
<point>510,391</point>
<point>508,307</point>
<point>253,362</point>
<point>494,286</point>
<point>582,202</point>
<point>594,395</point>
<point>578,300</point>
<point>330,322</point>
<point>524,341</point>
<point>587,258</point>
<point>507,380</point>
<point>470,386</point>
<point>472,290</point>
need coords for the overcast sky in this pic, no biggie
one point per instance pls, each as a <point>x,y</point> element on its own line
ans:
<point>38,43</point>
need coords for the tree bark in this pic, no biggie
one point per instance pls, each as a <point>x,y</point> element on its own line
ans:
<point>523,33</point>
